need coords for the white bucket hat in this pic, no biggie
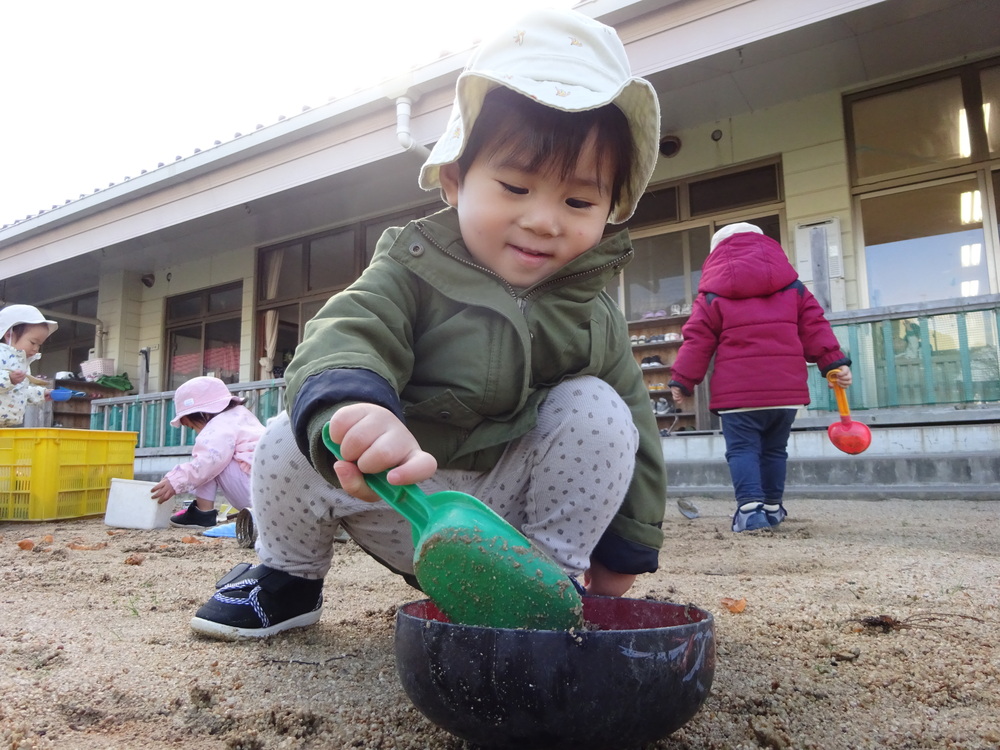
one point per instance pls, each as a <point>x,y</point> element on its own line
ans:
<point>13,315</point>
<point>740,227</point>
<point>567,61</point>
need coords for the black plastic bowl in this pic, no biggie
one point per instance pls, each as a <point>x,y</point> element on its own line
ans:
<point>639,671</point>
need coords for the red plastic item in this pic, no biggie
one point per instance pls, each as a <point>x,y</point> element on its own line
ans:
<point>846,435</point>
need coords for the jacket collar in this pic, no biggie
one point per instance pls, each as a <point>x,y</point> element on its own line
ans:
<point>590,273</point>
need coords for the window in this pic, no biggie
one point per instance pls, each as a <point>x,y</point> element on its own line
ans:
<point>990,81</point>
<point>333,262</point>
<point>656,207</point>
<point>672,229</point>
<point>71,343</point>
<point>296,278</point>
<point>925,243</point>
<point>921,164</point>
<point>664,274</point>
<point>708,196</point>
<point>747,187</point>
<point>203,335</point>
<point>667,267</point>
<point>919,128</point>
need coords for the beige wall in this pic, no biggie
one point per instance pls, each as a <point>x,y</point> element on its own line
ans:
<point>119,302</point>
<point>135,314</point>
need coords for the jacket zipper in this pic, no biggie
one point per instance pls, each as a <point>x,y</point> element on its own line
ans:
<point>613,263</point>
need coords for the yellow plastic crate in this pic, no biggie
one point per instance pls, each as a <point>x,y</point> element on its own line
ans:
<point>49,474</point>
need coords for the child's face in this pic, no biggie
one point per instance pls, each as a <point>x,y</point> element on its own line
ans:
<point>525,225</point>
<point>31,339</point>
<point>191,424</point>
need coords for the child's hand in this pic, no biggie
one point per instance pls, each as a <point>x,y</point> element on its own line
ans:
<point>843,375</point>
<point>162,491</point>
<point>372,440</point>
<point>16,376</point>
<point>678,396</point>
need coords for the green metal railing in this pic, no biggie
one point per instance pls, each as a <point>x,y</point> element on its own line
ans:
<point>902,358</point>
<point>949,356</point>
<point>150,414</point>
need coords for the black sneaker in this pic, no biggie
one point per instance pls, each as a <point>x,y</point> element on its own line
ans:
<point>261,602</point>
<point>193,518</point>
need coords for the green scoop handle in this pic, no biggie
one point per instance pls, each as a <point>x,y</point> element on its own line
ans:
<point>476,567</point>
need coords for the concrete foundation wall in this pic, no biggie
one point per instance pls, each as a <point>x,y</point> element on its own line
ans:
<point>909,462</point>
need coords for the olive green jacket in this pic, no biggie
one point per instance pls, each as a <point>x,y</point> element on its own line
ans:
<point>465,359</point>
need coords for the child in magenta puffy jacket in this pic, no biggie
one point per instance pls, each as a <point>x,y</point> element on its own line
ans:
<point>223,451</point>
<point>760,323</point>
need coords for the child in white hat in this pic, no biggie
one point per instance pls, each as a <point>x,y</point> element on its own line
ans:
<point>227,434</point>
<point>478,351</point>
<point>23,330</point>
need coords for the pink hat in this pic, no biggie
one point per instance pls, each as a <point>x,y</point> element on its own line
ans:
<point>202,394</point>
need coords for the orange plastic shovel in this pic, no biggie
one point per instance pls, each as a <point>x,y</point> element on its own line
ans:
<point>847,435</point>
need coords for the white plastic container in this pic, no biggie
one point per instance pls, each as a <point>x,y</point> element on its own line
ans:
<point>131,507</point>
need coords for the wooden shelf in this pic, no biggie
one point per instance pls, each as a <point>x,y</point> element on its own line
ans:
<point>695,419</point>
<point>75,413</point>
<point>656,344</point>
<point>676,320</point>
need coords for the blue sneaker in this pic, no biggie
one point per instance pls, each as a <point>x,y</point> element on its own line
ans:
<point>775,513</point>
<point>750,517</point>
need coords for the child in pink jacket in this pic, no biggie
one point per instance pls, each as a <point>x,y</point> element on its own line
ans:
<point>223,451</point>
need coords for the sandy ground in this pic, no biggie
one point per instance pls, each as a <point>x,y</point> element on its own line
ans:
<point>95,649</point>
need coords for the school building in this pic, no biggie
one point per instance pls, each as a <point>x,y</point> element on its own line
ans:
<point>864,135</point>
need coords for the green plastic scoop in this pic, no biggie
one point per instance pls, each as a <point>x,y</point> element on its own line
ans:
<point>476,567</point>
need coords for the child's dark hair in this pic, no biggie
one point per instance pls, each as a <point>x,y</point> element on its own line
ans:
<point>203,417</point>
<point>17,330</point>
<point>544,138</point>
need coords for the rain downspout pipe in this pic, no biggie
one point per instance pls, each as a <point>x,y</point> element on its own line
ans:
<point>403,105</point>
<point>99,335</point>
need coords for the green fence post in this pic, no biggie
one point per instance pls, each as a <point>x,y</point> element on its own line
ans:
<point>173,434</point>
<point>964,360</point>
<point>151,425</point>
<point>891,383</point>
<point>927,362</point>
<point>854,348</point>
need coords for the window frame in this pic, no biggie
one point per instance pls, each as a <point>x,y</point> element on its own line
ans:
<point>714,221</point>
<point>980,165</point>
<point>76,346</point>
<point>683,185</point>
<point>360,257</point>
<point>202,319</point>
